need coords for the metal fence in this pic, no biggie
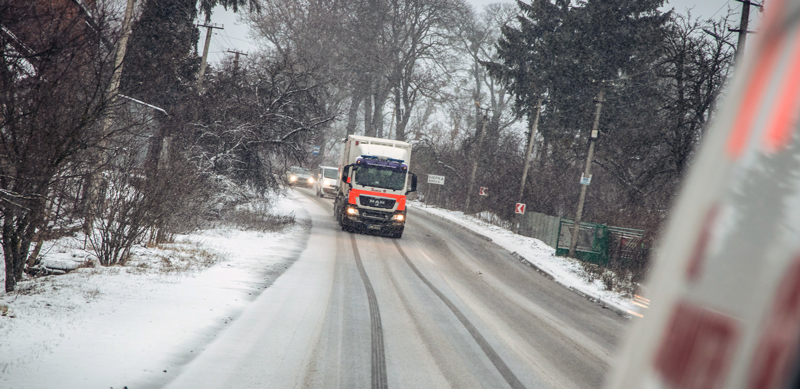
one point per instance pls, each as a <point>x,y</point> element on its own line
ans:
<point>601,244</point>
<point>540,226</point>
<point>627,249</point>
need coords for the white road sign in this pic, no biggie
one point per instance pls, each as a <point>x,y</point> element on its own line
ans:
<point>438,180</point>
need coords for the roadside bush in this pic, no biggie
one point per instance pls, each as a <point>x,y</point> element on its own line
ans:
<point>257,221</point>
<point>258,215</point>
<point>123,213</point>
<point>140,193</point>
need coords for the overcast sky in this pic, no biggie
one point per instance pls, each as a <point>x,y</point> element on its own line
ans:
<point>235,35</point>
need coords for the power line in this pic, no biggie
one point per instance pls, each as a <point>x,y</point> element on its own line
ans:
<point>221,45</point>
<point>239,39</point>
<point>228,39</point>
<point>720,9</point>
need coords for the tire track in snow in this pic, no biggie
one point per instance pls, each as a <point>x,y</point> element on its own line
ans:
<point>379,379</point>
<point>498,363</point>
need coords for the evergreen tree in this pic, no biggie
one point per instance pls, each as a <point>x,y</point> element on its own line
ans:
<point>162,60</point>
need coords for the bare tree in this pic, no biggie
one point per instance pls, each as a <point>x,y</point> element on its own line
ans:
<point>54,70</point>
<point>648,157</point>
<point>125,208</point>
<point>378,50</point>
<point>697,62</point>
<point>267,114</point>
<point>477,37</point>
<point>134,200</point>
<point>419,34</point>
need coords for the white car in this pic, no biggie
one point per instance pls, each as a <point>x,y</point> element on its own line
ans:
<point>327,179</point>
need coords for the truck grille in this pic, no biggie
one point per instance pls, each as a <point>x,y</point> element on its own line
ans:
<point>377,202</point>
<point>376,215</point>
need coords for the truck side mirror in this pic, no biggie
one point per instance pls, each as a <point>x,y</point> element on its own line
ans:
<point>346,173</point>
<point>413,187</point>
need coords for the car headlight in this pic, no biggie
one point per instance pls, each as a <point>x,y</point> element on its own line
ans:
<point>352,211</point>
<point>399,217</point>
<point>293,178</point>
<point>310,180</point>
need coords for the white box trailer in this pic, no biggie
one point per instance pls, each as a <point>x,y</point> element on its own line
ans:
<point>374,181</point>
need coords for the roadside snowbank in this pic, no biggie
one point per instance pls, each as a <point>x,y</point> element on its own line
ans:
<point>99,327</point>
<point>565,271</point>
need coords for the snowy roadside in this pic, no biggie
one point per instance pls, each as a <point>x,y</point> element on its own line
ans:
<point>134,325</point>
<point>566,271</point>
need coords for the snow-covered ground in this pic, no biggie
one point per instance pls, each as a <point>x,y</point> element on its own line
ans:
<point>97,327</point>
<point>566,271</point>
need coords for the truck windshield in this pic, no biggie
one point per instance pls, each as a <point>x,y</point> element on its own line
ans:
<point>380,177</point>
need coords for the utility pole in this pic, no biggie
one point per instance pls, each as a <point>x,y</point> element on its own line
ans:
<point>475,163</point>
<point>743,23</point>
<point>91,191</point>
<point>208,27</point>
<point>586,175</point>
<point>122,48</point>
<point>236,59</point>
<point>534,126</point>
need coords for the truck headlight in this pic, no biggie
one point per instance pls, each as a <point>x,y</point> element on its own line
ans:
<point>352,211</point>
<point>399,217</point>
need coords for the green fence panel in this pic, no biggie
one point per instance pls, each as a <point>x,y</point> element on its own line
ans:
<point>599,243</point>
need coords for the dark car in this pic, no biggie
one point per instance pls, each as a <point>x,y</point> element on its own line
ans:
<point>297,175</point>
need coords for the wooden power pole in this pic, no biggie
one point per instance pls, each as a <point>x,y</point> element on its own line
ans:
<point>529,149</point>
<point>203,62</point>
<point>475,164</point>
<point>236,59</point>
<point>122,48</point>
<point>586,175</point>
<point>744,22</point>
<point>91,184</point>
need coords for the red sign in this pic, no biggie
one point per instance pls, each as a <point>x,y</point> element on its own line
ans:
<point>483,191</point>
<point>520,208</point>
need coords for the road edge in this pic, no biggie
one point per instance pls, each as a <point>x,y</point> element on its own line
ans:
<point>597,300</point>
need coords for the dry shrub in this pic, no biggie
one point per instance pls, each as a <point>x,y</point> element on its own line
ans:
<point>258,221</point>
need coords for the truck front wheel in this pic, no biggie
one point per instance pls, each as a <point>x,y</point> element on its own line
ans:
<point>337,209</point>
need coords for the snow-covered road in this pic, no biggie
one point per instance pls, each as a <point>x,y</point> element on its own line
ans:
<point>314,307</point>
<point>438,308</point>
